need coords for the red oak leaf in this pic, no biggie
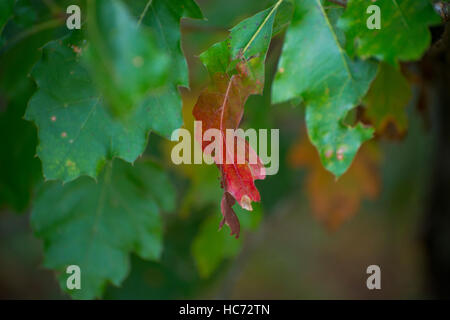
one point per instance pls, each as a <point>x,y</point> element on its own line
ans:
<point>229,216</point>
<point>221,108</point>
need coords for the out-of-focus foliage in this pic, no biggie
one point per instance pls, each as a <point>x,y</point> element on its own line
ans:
<point>19,51</point>
<point>76,132</point>
<point>95,225</point>
<point>124,59</point>
<point>334,201</point>
<point>386,100</point>
<point>77,135</point>
<point>19,168</point>
<point>210,247</point>
<point>6,10</point>
<point>403,33</point>
<point>162,18</point>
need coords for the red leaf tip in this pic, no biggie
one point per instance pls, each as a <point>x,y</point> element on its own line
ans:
<point>229,216</point>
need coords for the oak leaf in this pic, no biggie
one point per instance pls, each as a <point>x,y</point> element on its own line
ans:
<point>335,201</point>
<point>236,68</point>
<point>221,107</point>
<point>386,102</point>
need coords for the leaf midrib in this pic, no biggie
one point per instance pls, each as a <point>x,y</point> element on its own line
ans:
<point>333,33</point>
<point>261,26</point>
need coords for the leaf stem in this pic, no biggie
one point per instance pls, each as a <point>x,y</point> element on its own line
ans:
<point>262,25</point>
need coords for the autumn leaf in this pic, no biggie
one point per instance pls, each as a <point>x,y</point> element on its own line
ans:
<point>387,99</point>
<point>221,107</point>
<point>229,216</point>
<point>236,68</point>
<point>335,201</point>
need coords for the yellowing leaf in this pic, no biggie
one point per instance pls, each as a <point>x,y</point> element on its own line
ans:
<point>335,201</point>
<point>386,100</point>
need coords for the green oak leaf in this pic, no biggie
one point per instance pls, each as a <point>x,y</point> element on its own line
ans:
<point>211,246</point>
<point>387,98</point>
<point>125,61</point>
<point>283,16</point>
<point>96,225</point>
<point>248,41</point>
<point>314,67</point>
<point>403,35</point>
<point>163,18</point>
<point>77,134</point>
<point>6,10</point>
